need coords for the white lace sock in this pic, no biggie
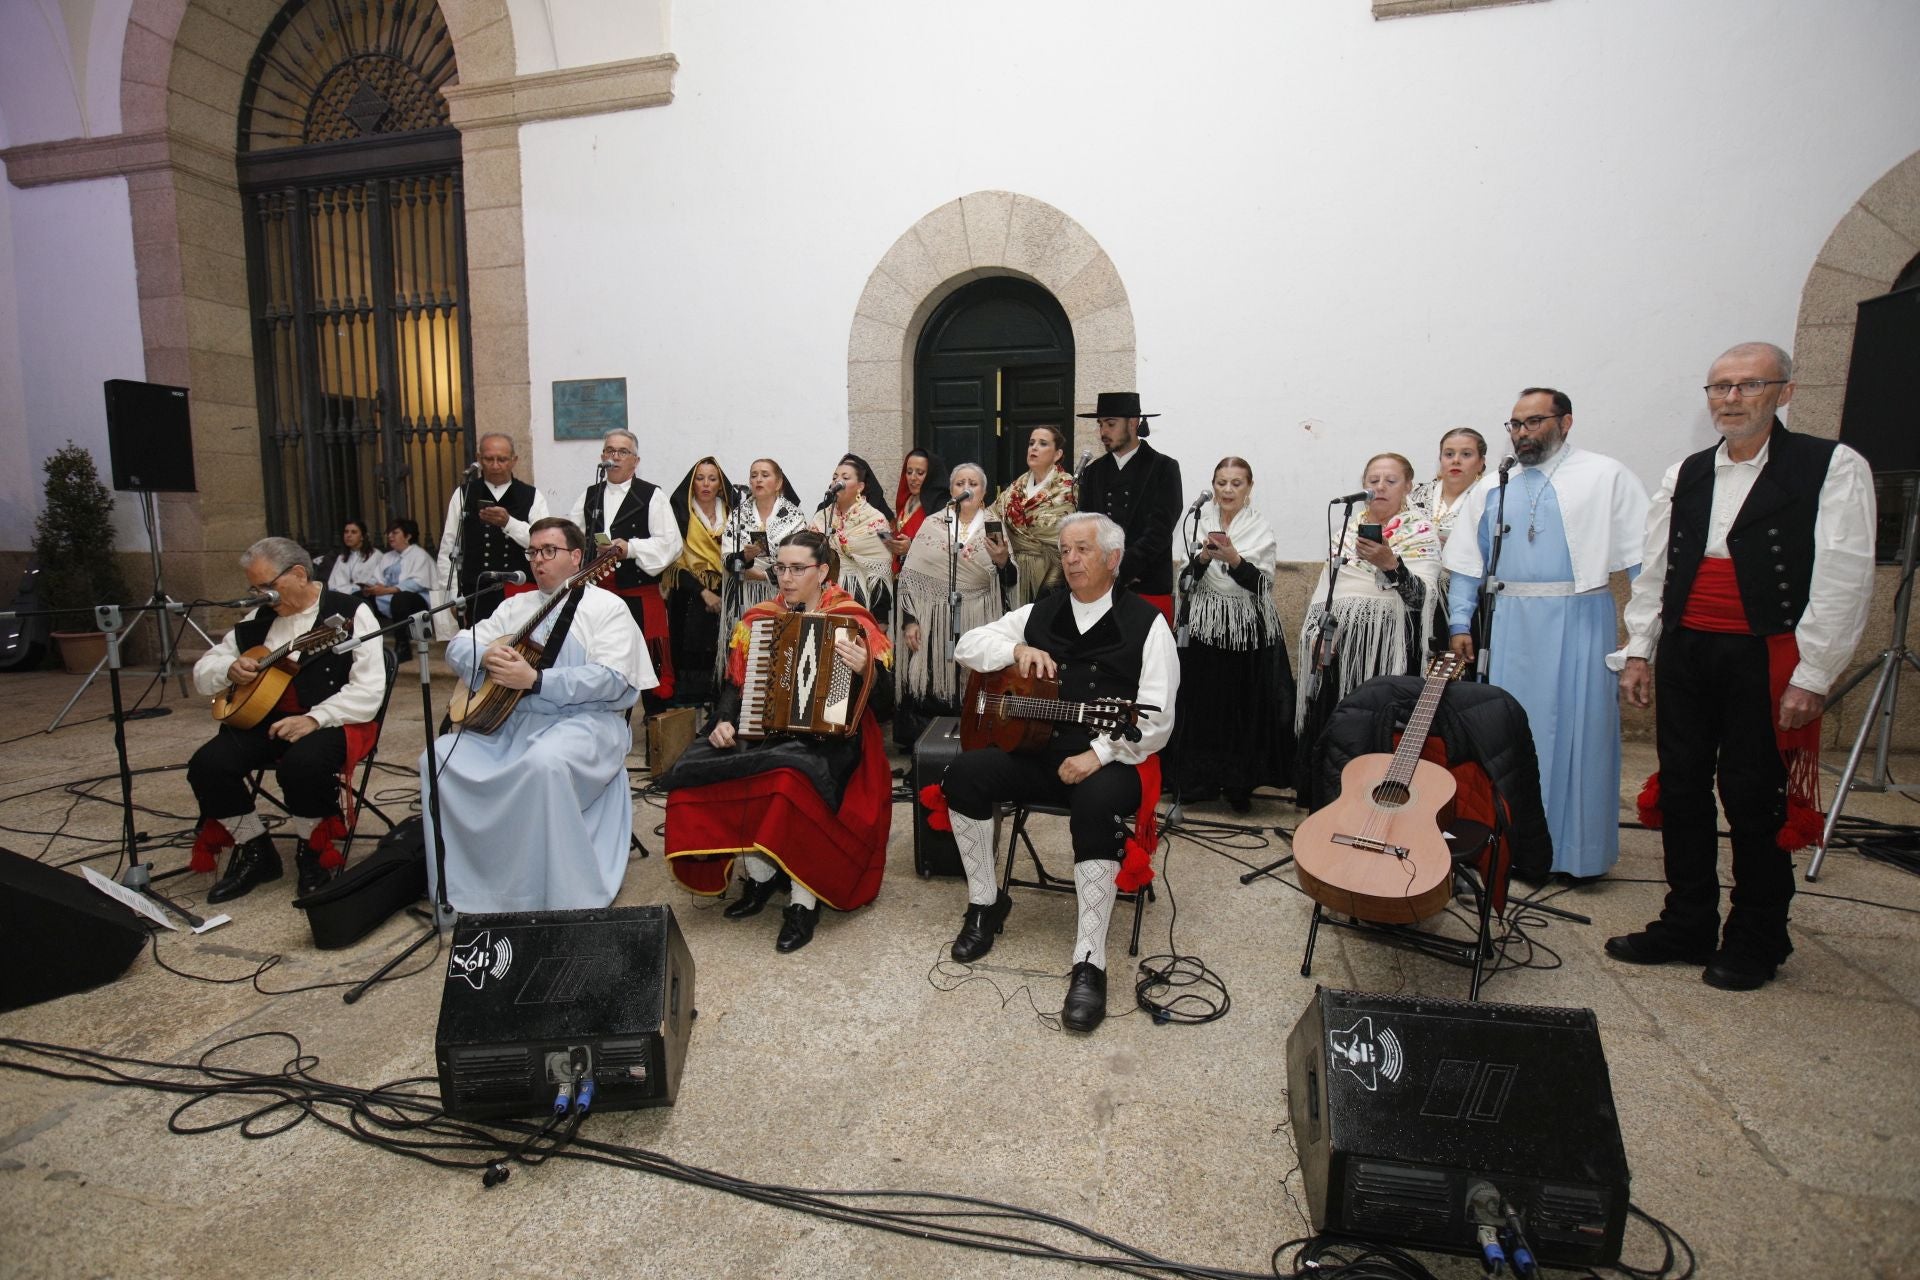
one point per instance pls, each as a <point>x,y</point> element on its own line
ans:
<point>802,897</point>
<point>975,838</point>
<point>243,828</point>
<point>302,828</point>
<point>1093,889</point>
<point>759,868</point>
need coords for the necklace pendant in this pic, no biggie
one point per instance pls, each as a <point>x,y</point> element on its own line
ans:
<point>1532,533</point>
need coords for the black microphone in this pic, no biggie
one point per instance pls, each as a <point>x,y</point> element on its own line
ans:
<point>1361,496</point>
<point>600,473</point>
<point>473,469</point>
<point>512,579</point>
<point>265,595</point>
<point>1086,456</point>
<point>833,491</point>
<point>1200,501</point>
<point>1506,465</point>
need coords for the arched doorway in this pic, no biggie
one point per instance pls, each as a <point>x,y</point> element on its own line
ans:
<point>993,362</point>
<point>356,261</point>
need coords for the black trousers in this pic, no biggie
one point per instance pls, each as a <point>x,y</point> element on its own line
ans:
<point>307,771</point>
<point>979,779</point>
<point>405,605</point>
<point>1713,715</point>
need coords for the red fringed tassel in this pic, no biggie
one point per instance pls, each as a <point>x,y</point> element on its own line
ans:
<point>934,801</point>
<point>1649,802</point>
<point>321,839</point>
<point>1805,823</point>
<point>1136,868</point>
<point>207,845</point>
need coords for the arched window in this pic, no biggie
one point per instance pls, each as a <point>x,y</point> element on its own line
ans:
<point>356,264</point>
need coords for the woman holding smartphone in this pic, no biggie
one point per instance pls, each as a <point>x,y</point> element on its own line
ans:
<point>1385,604</point>
<point>1233,727</point>
<point>926,681</point>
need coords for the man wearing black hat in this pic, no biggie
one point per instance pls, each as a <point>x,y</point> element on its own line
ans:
<point>1139,488</point>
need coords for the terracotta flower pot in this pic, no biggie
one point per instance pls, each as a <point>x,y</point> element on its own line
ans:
<point>81,651</point>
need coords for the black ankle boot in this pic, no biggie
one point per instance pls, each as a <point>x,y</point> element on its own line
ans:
<point>253,863</point>
<point>312,875</point>
<point>1086,1005</point>
<point>977,931</point>
<point>754,895</point>
<point>796,927</point>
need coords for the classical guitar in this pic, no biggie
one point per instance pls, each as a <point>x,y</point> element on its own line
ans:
<point>1377,852</point>
<point>486,708</point>
<point>245,705</point>
<point>1017,713</point>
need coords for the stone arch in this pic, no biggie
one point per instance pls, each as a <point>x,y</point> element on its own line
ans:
<point>1863,257</point>
<point>988,233</point>
<point>182,67</point>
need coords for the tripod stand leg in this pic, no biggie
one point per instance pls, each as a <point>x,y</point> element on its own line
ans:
<point>1888,667</point>
<point>84,686</point>
<point>353,995</point>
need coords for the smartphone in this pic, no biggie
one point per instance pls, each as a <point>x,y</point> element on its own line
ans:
<point>602,539</point>
<point>1371,532</point>
<point>996,529</point>
<point>756,548</point>
<point>1217,538</point>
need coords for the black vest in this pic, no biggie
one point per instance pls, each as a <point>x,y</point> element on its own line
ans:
<point>629,522</point>
<point>1143,498</point>
<point>321,674</point>
<point>1104,662</point>
<point>1771,539</point>
<point>485,549</point>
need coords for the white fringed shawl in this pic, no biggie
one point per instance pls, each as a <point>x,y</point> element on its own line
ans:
<point>1220,611</point>
<point>1372,616</point>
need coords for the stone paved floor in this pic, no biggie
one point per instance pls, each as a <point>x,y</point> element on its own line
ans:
<point>1779,1131</point>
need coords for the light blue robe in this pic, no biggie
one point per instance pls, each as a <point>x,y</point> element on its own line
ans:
<point>1550,652</point>
<point>538,814</point>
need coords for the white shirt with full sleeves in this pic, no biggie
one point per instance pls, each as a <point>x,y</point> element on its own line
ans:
<point>990,648</point>
<point>357,702</point>
<point>661,546</point>
<point>1842,581</point>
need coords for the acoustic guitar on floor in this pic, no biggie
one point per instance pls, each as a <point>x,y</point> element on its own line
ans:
<point>1378,853</point>
<point>1017,713</point>
<point>485,709</point>
<point>245,705</point>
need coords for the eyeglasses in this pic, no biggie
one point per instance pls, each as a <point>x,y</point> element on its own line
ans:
<point>546,553</point>
<point>262,586</point>
<point>784,570</point>
<point>1748,389</point>
<point>1531,424</point>
<point>618,453</point>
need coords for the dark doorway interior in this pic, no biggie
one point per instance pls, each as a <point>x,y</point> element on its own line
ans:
<point>995,361</point>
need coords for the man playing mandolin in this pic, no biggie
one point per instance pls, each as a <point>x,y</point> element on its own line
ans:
<point>305,736</point>
<point>1099,641</point>
<point>536,812</point>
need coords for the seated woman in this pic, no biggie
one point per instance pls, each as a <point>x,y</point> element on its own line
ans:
<point>399,586</point>
<point>921,492</point>
<point>1032,507</point>
<point>355,564</point>
<point>926,682</point>
<point>857,523</point>
<point>1234,728</point>
<point>1384,609</point>
<point>770,512</point>
<point>692,584</point>
<point>807,814</point>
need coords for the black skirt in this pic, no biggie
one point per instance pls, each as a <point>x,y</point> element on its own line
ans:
<point>694,633</point>
<point>1233,730</point>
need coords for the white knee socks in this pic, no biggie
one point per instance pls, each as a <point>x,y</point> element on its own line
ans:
<point>975,838</point>
<point>1093,888</point>
<point>758,868</point>
<point>243,828</point>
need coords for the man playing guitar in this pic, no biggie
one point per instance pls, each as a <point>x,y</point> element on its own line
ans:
<point>1099,640</point>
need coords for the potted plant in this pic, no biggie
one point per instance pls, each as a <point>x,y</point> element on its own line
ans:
<point>73,541</point>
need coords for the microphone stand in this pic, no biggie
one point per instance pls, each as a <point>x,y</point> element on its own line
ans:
<point>1490,590</point>
<point>953,579</point>
<point>1188,576</point>
<point>450,587</point>
<point>1329,625</point>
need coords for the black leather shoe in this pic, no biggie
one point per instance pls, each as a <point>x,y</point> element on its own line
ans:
<point>796,927</point>
<point>253,863</point>
<point>312,875</point>
<point>1731,972</point>
<point>754,895</point>
<point>1649,947</point>
<point>1086,1006</point>
<point>977,931</point>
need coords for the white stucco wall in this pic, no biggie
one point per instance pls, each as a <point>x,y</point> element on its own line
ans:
<point>1338,236</point>
<point>69,321</point>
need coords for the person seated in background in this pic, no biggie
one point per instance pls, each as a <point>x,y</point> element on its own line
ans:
<point>401,582</point>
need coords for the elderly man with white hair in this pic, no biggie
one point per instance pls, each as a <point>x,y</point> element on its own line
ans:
<point>1100,641</point>
<point>635,517</point>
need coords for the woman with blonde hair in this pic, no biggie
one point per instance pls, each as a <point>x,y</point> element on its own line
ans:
<point>1032,507</point>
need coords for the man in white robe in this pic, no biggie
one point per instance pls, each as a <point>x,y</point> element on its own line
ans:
<point>1573,517</point>
<point>538,814</point>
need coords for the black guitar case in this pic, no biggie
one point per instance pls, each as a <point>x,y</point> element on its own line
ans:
<point>359,899</point>
<point>23,641</point>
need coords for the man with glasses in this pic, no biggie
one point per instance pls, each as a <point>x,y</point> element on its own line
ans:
<point>1138,488</point>
<point>761,823</point>
<point>635,516</point>
<point>1758,569</point>
<point>306,737</point>
<point>487,519</point>
<point>1573,518</point>
<point>537,814</point>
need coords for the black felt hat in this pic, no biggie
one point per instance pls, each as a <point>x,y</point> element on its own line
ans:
<point>1119,404</point>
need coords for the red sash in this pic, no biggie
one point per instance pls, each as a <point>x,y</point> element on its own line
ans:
<point>653,629</point>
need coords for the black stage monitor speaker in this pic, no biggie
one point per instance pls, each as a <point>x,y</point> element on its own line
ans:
<point>149,436</point>
<point>934,852</point>
<point>529,994</point>
<point>1403,1106</point>
<point>58,934</point>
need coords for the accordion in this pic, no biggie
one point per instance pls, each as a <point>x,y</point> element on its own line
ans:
<point>795,680</point>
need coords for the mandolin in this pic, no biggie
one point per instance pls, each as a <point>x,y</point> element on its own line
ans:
<point>1017,713</point>
<point>1377,852</point>
<point>245,705</point>
<point>485,709</point>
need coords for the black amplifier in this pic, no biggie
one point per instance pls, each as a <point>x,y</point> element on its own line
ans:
<point>934,852</point>
<point>534,998</point>
<point>1405,1109</point>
